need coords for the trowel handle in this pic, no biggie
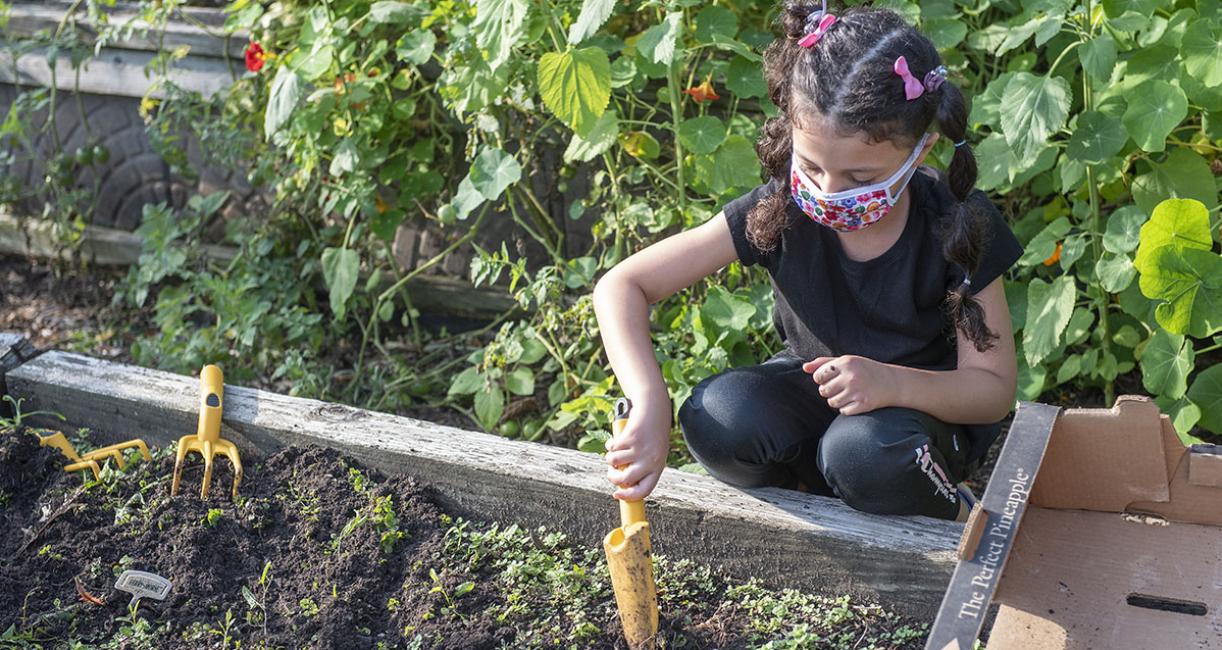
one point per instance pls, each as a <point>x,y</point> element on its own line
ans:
<point>211,395</point>
<point>630,512</point>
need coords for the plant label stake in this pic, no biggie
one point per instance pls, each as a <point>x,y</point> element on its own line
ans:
<point>142,584</point>
<point>207,440</point>
<point>630,558</point>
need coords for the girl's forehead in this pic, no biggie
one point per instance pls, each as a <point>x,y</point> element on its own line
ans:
<point>828,147</point>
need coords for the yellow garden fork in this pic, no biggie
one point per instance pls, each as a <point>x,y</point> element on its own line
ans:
<point>89,460</point>
<point>207,441</point>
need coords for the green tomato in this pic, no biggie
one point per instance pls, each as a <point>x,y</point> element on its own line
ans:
<point>509,428</point>
<point>447,215</point>
<point>84,156</point>
<point>100,154</point>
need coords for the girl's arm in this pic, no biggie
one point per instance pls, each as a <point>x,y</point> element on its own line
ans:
<point>621,304</point>
<point>982,389</point>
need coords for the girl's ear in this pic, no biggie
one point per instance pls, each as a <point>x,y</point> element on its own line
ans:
<point>928,147</point>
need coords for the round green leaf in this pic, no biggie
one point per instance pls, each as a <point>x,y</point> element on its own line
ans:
<point>416,46</point>
<point>493,171</point>
<point>576,86</point>
<point>1098,56</point>
<point>1155,108</point>
<point>1179,222</point>
<point>1190,281</point>
<point>735,165</point>
<point>1165,363</point>
<point>702,134</point>
<point>1124,230</point>
<point>1184,416</point>
<point>1184,175</point>
<point>745,79</point>
<point>1049,306</point>
<point>715,19</point>
<point>944,32</point>
<point>1097,137</point>
<point>1202,50</point>
<point>1206,393</point>
<point>1117,8</point>
<point>1032,109</point>
<point>1115,272</point>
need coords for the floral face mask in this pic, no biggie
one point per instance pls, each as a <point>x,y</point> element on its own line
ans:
<point>851,209</point>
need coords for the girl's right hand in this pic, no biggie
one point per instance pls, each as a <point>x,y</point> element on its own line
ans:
<point>637,455</point>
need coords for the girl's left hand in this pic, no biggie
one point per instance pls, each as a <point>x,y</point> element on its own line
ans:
<point>852,384</point>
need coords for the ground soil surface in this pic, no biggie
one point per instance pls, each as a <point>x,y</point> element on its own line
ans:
<point>320,552</point>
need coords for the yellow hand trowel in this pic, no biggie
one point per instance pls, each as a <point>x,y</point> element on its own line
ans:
<point>207,440</point>
<point>630,558</point>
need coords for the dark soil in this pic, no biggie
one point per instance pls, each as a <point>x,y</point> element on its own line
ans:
<point>445,583</point>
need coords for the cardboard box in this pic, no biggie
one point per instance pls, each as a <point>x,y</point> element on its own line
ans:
<point>1098,529</point>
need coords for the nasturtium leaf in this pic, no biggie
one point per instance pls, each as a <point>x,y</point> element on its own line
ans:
<point>1032,109</point>
<point>1155,108</point>
<point>1165,363</point>
<point>1182,223</point>
<point>702,134</point>
<point>467,198</point>
<point>593,14</point>
<point>744,78</point>
<point>339,270</point>
<point>735,164</point>
<point>1116,8</point>
<point>715,19</point>
<point>1183,175</point>
<point>1098,56</point>
<point>1184,416</point>
<point>944,32</point>
<point>1123,230</point>
<point>1206,393</point>
<point>389,11</point>
<point>1098,137</point>
<point>416,46</point>
<point>1115,272</point>
<point>657,44</point>
<point>493,171</point>
<point>498,27</point>
<point>576,86</point>
<point>1202,50</point>
<point>1049,306</point>
<point>1189,280</point>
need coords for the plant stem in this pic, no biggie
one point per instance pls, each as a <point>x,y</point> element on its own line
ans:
<point>1088,104</point>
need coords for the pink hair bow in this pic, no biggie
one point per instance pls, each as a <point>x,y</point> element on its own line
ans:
<point>912,86</point>
<point>810,39</point>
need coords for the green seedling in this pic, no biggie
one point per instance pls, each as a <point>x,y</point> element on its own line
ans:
<point>212,518</point>
<point>309,608</point>
<point>18,420</point>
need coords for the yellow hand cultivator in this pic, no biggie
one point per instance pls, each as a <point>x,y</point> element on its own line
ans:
<point>89,460</point>
<point>207,441</point>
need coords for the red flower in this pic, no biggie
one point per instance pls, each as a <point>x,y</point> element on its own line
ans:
<point>704,92</point>
<point>255,57</point>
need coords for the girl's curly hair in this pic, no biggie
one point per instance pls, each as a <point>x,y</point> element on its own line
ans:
<point>846,80</point>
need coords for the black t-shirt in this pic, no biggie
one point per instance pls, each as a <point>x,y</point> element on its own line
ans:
<point>888,308</point>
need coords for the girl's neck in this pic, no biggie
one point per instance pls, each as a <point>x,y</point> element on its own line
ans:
<point>871,242</point>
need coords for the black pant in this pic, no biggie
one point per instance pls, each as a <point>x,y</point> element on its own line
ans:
<point>767,425</point>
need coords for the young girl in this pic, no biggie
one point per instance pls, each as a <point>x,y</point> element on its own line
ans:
<point>899,360</point>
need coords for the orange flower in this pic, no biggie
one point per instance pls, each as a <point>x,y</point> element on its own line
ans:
<point>704,92</point>
<point>1055,257</point>
<point>381,205</point>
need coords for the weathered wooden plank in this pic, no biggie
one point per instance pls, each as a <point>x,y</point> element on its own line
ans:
<point>114,247</point>
<point>783,537</point>
<point>27,19</point>
<point>14,351</point>
<point>116,72</point>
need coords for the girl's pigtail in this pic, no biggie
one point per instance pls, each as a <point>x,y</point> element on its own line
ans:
<point>768,219</point>
<point>964,240</point>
